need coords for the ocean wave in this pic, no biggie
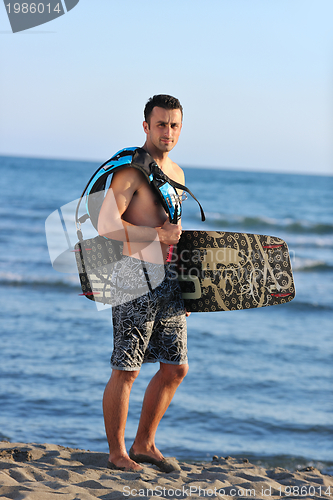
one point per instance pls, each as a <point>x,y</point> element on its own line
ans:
<point>266,223</point>
<point>20,280</point>
<point>289,462</point>
<point>318,242</point>
<point>310,245</point>
<point>310,265</point>
<point>309,306</point>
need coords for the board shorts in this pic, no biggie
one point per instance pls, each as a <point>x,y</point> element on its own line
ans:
<point>150,327</point>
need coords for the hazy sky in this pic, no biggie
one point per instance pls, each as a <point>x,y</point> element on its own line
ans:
<point>254,77</point>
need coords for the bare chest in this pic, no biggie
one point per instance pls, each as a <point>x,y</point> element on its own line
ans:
<point>145,208</point>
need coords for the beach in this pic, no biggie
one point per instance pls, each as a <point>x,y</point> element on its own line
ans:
<point>52,472</point>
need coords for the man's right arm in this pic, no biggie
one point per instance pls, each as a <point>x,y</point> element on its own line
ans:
<point>111,224</point>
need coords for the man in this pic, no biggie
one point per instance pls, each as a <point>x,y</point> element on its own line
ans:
<point>151,327</point>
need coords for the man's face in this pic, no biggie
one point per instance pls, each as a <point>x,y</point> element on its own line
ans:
<point>164,128</point>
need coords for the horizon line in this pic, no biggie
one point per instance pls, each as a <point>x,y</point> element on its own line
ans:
<point>224,168</point>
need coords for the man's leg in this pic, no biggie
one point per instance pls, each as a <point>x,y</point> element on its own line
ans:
<point>115,409</point>
<point>158,396</point>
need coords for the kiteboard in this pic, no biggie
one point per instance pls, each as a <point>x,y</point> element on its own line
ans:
<point>225,271</point>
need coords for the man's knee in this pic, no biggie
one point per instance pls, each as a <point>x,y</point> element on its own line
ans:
<point>174,373</point>
<point>124,376</point>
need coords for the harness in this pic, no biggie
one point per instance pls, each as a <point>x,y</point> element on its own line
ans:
<point>141,160</point>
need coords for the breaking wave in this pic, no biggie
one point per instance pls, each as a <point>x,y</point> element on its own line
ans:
<point>264,224</point>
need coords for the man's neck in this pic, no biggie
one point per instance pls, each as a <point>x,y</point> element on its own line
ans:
<point>160,157</point>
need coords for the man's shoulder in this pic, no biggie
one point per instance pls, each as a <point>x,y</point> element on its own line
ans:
<point>176,172</point>
<point>128,175</point>
<point>176,167</point>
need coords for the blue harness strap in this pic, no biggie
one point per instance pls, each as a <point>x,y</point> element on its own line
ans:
<point>138,158</point>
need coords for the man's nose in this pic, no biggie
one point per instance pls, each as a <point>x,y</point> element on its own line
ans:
<point>167,130</point>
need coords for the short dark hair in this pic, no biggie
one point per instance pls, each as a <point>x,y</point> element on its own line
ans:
<point>162,101</point>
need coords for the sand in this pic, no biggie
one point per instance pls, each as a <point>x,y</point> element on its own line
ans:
<point>51,472</point>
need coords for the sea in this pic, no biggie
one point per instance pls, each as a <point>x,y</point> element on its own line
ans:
<point>260,383</point>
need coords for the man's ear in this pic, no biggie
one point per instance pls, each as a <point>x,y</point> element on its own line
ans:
<point>145,127</point>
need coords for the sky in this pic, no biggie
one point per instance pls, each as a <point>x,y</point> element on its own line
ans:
<point>254,77</point>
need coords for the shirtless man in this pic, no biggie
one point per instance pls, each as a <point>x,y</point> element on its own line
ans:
<point>132,213</point>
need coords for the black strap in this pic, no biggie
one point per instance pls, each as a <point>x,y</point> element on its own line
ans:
<point>184,188</point>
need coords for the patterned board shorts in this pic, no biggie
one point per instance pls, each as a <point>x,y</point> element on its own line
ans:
<point>150,327</point>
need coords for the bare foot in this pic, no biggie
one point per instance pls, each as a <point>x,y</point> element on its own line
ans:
<point>152,455</point>
<point>123,463</point>
<point>150,451</point>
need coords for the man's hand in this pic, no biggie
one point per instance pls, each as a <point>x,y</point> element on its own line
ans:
<point>169,233</point>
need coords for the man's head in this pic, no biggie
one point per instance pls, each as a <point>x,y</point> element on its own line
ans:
<point>163,123</point>
<point>162,101</point>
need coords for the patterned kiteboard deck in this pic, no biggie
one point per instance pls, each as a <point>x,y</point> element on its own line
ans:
<point>224,271</point>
